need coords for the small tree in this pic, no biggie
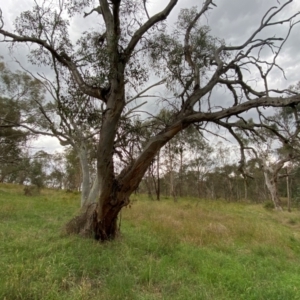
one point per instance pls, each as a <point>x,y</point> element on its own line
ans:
<point>18,91</point>
<point>12,140</point>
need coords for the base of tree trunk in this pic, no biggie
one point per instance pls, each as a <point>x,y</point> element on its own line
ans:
<point>86,224</point>
<point>277,204</point>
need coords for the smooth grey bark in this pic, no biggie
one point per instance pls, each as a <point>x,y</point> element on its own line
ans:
<point>271,180</point>
<point>94,192</point>
<point>90,190</point>
<point>85,185</point>
<point>271,183</point>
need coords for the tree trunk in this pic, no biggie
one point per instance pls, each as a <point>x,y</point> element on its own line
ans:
<point>86,224</point>
<point>245,189</point>
<point>85,185</point>
<point>2,178</point>
<point>158,177</point>
<point>94,192</point>
<point>180,172</point>
<point>271,184</point>
<point>172,192</point>
<point>154,182</point>
<point>271,177</point>
<point>230,189</point>
<point>100,219</point>
<point>148,185</point>
<point>172,187</point>
<point>198,182</point>
<point>288,190</point>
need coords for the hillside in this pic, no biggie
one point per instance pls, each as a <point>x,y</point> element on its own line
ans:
<point>187,250</point>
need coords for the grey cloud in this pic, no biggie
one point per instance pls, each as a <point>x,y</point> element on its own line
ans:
<point>46,143</point>
<point>232,20</point>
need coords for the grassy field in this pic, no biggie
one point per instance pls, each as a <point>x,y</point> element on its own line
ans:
<point>187,250</point>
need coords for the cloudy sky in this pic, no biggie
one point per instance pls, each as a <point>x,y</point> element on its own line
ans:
<point>231,20</point>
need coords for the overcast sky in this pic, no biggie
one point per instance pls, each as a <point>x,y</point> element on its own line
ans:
<point>231,20</point>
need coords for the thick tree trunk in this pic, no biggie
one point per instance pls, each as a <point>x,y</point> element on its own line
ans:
<point>106,228</point>
<point>100,219</point>
<point>99,222</point>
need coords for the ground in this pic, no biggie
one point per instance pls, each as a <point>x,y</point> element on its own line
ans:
<point>187,250</point>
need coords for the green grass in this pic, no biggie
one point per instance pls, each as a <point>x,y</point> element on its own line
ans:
<point>188,250</point>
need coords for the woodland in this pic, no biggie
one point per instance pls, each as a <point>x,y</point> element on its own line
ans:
<point>114,146</point>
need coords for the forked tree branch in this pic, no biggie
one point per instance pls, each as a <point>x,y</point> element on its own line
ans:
<point>134,172</point>
<point>146,26</point>
<point>187,46</point>
<point>63,58</point>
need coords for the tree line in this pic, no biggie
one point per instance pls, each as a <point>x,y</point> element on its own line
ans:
<point>187,166</point>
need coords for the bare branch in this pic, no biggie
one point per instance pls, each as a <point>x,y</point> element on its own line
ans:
<point>264,23</point>
<point>63,58</point>
<point>132,110</point>
<point>145,8</point>
<point>145,90</point>
<point>144,28</point>
<point>1,19</point>
<point>235,110</point>
<point>187,46</point>
<point>96,9</point>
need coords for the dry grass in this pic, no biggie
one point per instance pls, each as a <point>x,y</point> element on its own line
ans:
<point>214,223</point>
<point>187,250</point>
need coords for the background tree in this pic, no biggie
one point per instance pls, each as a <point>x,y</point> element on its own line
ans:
<point>18,92</point>
<point>57,171</point>
<point>274,142</point>
<point>72,118</point>
<point>37,173</point>
<point>12,140</point>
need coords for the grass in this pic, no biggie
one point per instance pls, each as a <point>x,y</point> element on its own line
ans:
<point>189,250</point>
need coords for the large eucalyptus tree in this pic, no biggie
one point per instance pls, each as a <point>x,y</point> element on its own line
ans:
<point>127,49</point>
